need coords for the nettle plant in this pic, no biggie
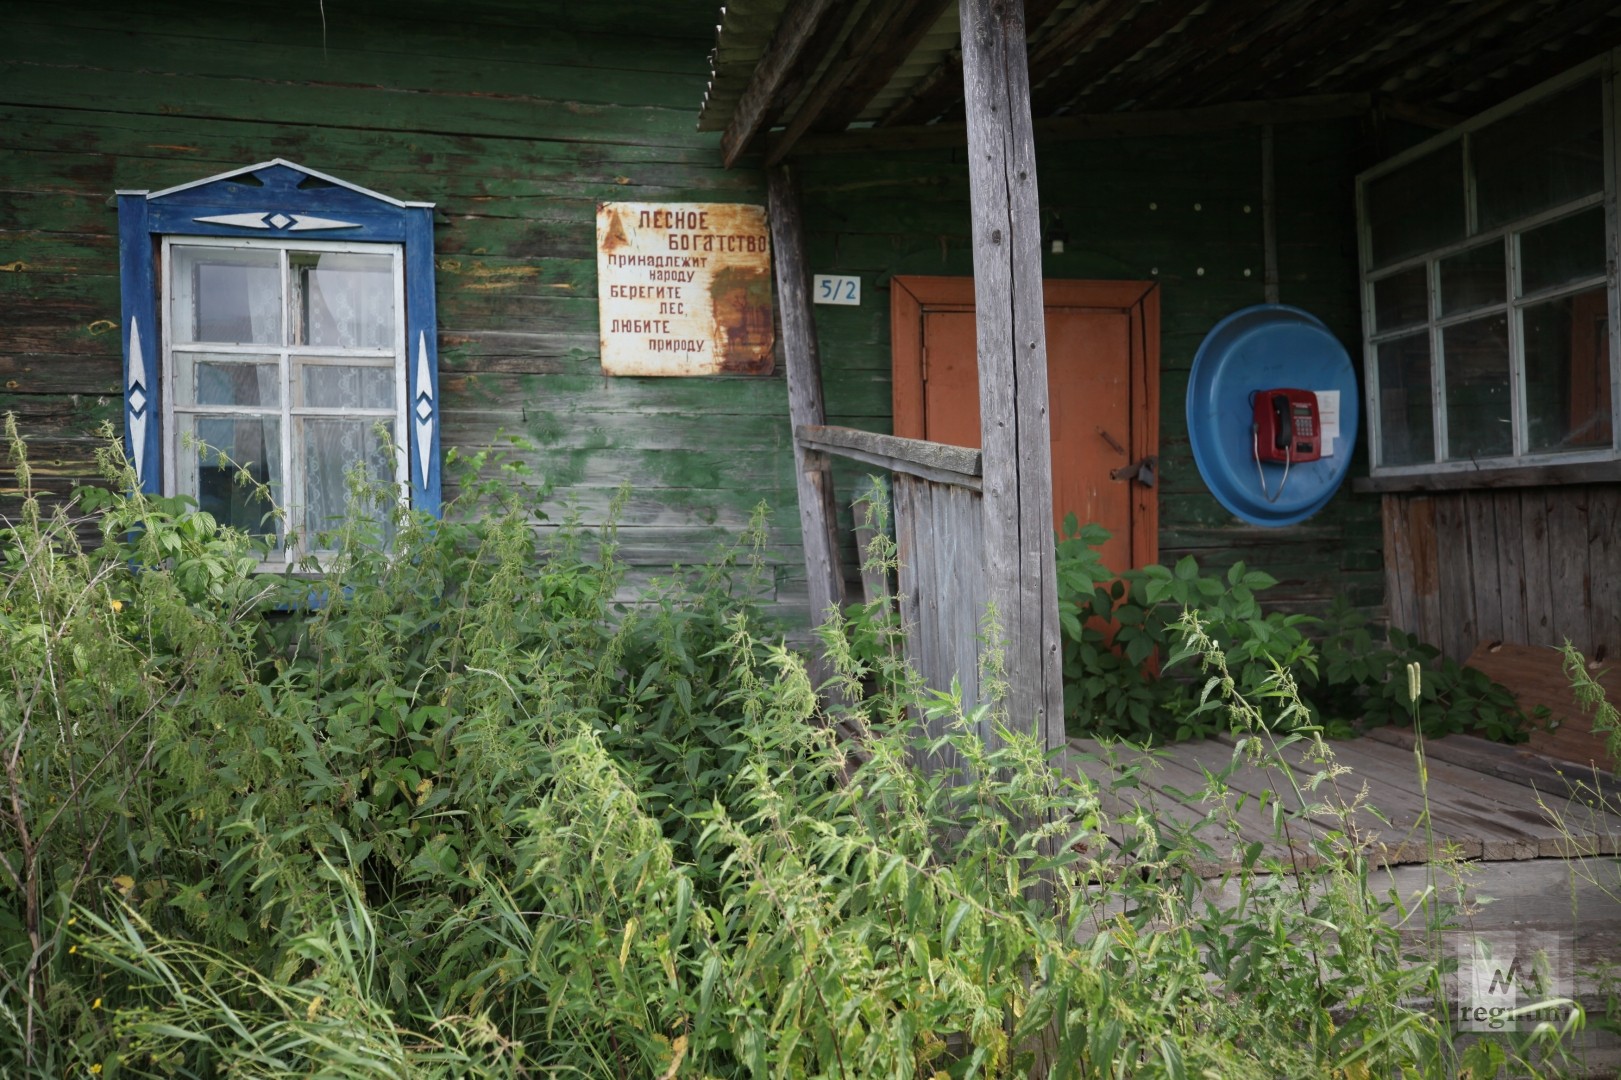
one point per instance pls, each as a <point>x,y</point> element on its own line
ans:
<point>1121,633</point>
<point>450,807</point>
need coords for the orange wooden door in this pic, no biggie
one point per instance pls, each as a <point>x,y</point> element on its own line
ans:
<point>1102,388</point>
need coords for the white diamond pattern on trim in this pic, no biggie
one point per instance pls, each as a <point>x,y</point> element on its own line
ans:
<point>424,424</point>
<point>137,401</point>
<point>255,220</point>
<point>304,224</point>
<point>281,221</point>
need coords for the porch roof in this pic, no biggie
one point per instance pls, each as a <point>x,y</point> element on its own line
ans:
<point>787,74</point>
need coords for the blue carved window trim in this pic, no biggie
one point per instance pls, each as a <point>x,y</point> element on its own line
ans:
<point>281,200</point>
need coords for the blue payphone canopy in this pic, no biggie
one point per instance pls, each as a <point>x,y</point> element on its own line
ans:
<point>1258,348</point>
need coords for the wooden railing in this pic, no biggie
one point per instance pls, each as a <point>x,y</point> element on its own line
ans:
<point>940,536</point>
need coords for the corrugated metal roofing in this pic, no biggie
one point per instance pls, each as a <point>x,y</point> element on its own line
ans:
<point>1438,57</point>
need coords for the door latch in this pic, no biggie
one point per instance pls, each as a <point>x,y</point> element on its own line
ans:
<point>1144,471</point>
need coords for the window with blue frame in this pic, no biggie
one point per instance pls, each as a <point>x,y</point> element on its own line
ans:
<point>279,338</point>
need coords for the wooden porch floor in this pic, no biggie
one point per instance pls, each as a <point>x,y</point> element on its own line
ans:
<point>1529,844</point>
<point>1487,801</point>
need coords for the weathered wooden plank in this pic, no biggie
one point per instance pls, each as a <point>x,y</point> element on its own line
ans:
<point>800,38</point>
<point>1486,579</point>
<point>907,543</point>
<point>1569,566</point>
<point>818,516</point>
<point>1401,599</point>
<point>1524,771</point>
<point>971,583</point>
<point>1511,564</point>
<point>1458,635</point>
<point>883,49</point>
<point>167,44</point>
<point>1604,573</point>
<point>1537,571</point>
<point>961,513</point>
<point>881,38</point>
<point>1426,569</point>
<point>1463,805</point>
<point>1270,811</point>
<point>1009,315</point>
<point>1520,476</point>
<point>1052,130</point>
<point>947,639</point>
<point>1149,24</point>
<point>915,457</point>
<point>26,82</point>
<point>584,38</point>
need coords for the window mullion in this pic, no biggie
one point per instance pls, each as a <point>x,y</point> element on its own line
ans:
<point>1471,205</point>
<point>292,478</point>
<point>1518,411</point>
<point>1612,246</point>
<point>1438,399</point>
<point>170,436</point>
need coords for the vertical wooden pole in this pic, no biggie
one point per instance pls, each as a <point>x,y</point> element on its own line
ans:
<point>818,516</point>
<point>1006,224</point>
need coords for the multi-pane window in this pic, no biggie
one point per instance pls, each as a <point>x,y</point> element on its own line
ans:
<point>1486,288</point>
<point>285,368</point>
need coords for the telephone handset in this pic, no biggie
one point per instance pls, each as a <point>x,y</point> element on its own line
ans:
<point>1287,428</point>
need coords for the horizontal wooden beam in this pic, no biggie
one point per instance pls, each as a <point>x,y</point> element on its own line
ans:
<point>1521,476</point>
<point>1121,125</point>
<point>939,462</point>
<point>806,29</point>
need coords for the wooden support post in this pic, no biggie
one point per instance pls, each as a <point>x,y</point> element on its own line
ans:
<point>818,516</point>
<point>1017,483</point>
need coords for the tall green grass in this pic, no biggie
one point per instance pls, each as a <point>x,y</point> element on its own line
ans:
<point>451,809</point>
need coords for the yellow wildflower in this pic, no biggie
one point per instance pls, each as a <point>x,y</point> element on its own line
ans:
<point>117,606</point>
<point>96,1004</point>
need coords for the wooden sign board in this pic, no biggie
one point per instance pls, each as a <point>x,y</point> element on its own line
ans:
<point>684,289</point>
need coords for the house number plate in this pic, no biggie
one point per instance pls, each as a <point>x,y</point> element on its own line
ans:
<point>833,289</point>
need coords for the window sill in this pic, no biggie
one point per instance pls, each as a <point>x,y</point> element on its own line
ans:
<point>1512,476</point>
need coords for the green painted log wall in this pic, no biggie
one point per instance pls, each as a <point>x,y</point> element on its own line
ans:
<point>1184,212</point>
<point>516,118</point>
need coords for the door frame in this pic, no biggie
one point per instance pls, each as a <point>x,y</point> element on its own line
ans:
<point>911,297</point>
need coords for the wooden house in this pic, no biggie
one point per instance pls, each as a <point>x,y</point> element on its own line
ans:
<point>1159,164</point>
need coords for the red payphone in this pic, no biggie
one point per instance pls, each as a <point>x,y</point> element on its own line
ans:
<point>1287,426</point>
<point>1287,429</point>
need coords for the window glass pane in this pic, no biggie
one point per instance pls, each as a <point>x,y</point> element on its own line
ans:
<point>330,449</point>
<point>343,300</point>
<point>203,379</point>
<point>1418,207</point>
<point>348,386</point>
<point>1546,154</point>
<point>226,295</point>
<point>1406,420</point>
<point>1477,388</point>
<point>1567,373</point>
<point>1401,299</point>
<point>1566,250</point>
<point>1473,279</point>
<point>214,453</point>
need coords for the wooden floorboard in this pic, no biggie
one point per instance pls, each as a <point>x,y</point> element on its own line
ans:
<point>1483,801</point>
